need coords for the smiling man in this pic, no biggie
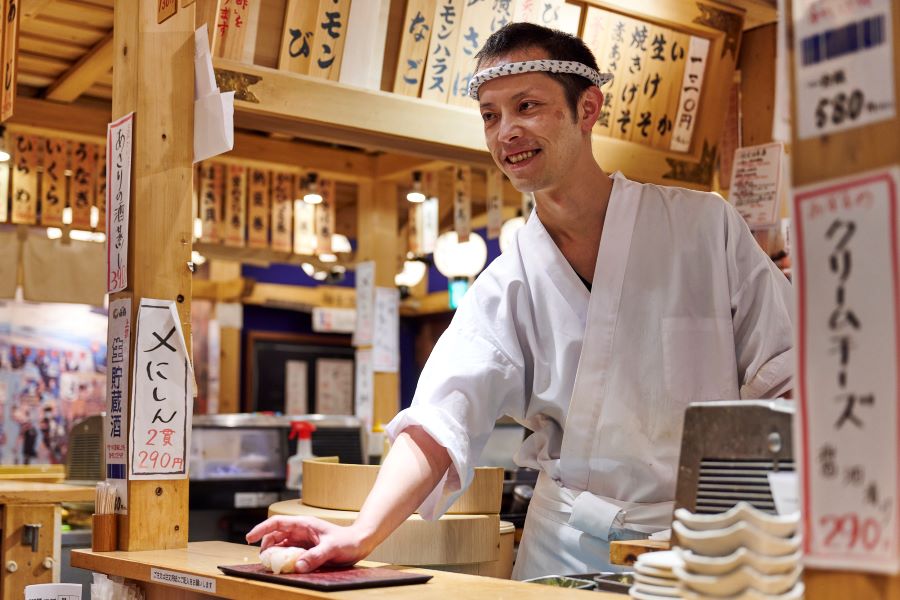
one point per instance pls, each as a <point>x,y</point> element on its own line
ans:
<point>618,304</point>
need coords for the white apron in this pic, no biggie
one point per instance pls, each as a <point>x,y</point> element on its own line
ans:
<point>568,528</point>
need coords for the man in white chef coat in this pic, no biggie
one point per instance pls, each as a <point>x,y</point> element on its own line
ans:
<point>618,304</point>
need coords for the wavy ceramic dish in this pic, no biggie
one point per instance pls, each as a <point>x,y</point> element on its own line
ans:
<point>739,581</point>
<point>666,591</point>
<point>719,565</point>
<point>795,593</point>
<point>721,542</point>
<point>665,560</point>
<point>651,580</point>
<point>781,526</point>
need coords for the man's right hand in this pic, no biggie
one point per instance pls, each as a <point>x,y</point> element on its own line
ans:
<point>325,543</point>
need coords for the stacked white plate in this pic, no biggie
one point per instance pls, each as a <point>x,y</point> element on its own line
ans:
<point>741,554</point>
<point>654,576</point>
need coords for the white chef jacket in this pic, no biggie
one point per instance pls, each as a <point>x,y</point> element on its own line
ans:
<point>684,307</point>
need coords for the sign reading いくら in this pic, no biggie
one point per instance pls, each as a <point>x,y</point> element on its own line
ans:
<point>843,60</point>
<point>160,418</point>
<point>118,343</point>
<point>848,300</point>
<point>756,184</point>
<point>53,183</point>
<point>118,200</point>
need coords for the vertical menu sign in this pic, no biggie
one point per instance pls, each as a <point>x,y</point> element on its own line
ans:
<point>848,349</point>
<point>160,416</point>
<point>844,65</point>
<point>118,338</point>
<point>118,199</point>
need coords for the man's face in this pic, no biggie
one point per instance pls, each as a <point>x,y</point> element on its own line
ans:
<point>528,125</point>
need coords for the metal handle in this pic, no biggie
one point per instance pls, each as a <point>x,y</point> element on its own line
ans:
<point>31,535</point>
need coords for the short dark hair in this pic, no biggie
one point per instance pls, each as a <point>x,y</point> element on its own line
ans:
<point>558,45</point>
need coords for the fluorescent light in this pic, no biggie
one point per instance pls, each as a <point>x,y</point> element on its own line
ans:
<point>308,268</point>
<point>67,215</point>
<point>320,275</point>
<point>198,228</point>
<point>87,236</point>
<point>197,258</point>
<point>415,197</point>
<point>54,233</point>
<point>327,257</point>
<point>95,217</point>
<point>312,198</point>
<point>4,156</point>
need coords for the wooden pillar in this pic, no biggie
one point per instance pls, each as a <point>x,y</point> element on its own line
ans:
<point>153,76</point>
<point>819,159</point>
<point>378,241</point>
<point>229,342</point>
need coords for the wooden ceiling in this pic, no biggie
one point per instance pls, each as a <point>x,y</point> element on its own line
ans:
<point>65,48</point>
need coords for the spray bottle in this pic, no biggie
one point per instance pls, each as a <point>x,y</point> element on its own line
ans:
<point>302,431</point>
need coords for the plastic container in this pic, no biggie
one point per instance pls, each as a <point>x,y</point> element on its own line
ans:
<point>302,431</point>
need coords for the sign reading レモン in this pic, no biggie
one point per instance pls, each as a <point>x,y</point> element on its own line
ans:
<point>848,346</point>
<point>162,387</point>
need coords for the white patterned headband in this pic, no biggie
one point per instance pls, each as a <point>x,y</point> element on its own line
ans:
<point>550,66</point>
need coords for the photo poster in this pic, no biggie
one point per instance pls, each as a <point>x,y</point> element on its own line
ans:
<point>53,371</point>
<point>162,391</point>
<point>848,346</point>
<point>296,381</point>
<point>334,386</point>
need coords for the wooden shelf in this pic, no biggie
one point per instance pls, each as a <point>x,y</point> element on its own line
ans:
<point>280,102</point>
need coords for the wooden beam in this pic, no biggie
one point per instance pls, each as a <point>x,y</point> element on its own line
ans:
<point>297,297</point>
<point>154,78</point>
<point>342,165</point>
<point>77,121</point>
<point>312,108</point>
<point>32,8</point>
<point>84,73</point>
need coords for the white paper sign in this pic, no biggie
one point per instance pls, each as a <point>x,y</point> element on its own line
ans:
<point>386,347</point>
<point>296,380</point>
<point>756,184</point>
<point>428,228</point>
<point>118,200</point>
<point>494,203</point>
<point>365,388</point>
<point>183,580</point>
<point>365,304</point>
<point>117,347</point>
<point>691,88</point>
<point>53,591</point>
<point>305,238</point>
<point>160,429</point>
<point>784,492</point>
<point>843,60</point>
<point>334,386</point>
<point>845,246</point>
<point>333,320</point>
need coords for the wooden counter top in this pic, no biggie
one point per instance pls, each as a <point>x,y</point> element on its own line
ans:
<point>32,492</point>
<point>202,558</point>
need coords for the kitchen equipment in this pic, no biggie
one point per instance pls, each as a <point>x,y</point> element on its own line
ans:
<point>728,449</point>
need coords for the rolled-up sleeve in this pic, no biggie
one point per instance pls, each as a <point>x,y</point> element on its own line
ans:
<point>762,314</point>
<point>468,382</point>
